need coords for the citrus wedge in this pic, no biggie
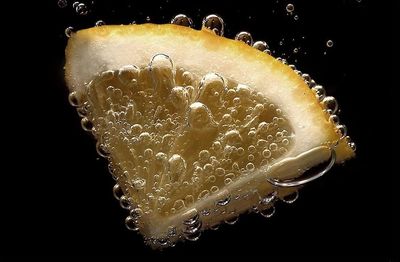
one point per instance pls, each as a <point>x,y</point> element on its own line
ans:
<point>196,125</point>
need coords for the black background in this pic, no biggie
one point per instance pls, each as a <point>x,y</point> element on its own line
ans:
<point>56,192</point>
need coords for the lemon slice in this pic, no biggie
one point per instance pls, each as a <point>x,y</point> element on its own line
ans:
<point>195,125</point>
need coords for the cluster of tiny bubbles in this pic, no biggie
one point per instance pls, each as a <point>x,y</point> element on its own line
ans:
<point>80,8</point>
<point>214,23</point>
<point>244,37</point>
<point>100,23</point>
<point>62,3</point>
<point>182,20</point>
<point>69,31</point>
<point>192,226</point>
<point>131,221</point>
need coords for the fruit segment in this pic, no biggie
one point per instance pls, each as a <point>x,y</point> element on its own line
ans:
<point>193,124</point>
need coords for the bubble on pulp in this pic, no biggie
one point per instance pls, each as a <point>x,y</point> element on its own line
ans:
<point>244,37</point>
<point>182,20</point>
<point>261,45</point>
<point>100,23</point>
<point>214,23</point>
<point>69,31</point>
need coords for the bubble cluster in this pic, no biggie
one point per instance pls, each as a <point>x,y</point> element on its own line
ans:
<point>175,138</point>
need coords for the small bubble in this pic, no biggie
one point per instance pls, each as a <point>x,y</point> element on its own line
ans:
<point>69,31</point>
<point>295,51</point>
<point>269,212</point>
<point>148,19</point>
<point>266,153</point>
<point>100,23</point>
<point>130,224</point>
<point>75,4</point>
<point>62,3</point>
<point>250,167</point>
<point>86,124</point>
<point>291,198</point>
<point>296,17</point>
<point>330,104</point>
<point>329,43</point>
<point>261,45</point>
<point>273,147</point>
<point>81,9</point>
<point>319,92</point>
<point>139,183</point>
<point>289,8</point>
<point>214,23</point>
<point>182,20</point>
<point>244,37</point>
<point>73,99</point>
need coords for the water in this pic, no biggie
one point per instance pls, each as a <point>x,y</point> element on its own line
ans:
<point>199,106</point>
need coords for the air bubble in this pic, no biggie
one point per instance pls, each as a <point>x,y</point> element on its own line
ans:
<point>130,224</point>
<point>266,153</point>
<point>268,199</point>
<point>330,104</point>
<point>273,147</point>
<point>214,23</point>
<point>232,221</point>
<point>73,99</point>
<point>269,212</point>
<point>200,116</point>
<point>261,45</point>
<point>182,20</point>
<point>250,167</point>
<point>220,171</point>
<point>177,168</point>
<point>117,192</point>
<point>86,124</point>
<point>223,202</point>
<point>319,92</point>
<point>69,31</point>
<point>233,137</point>
<point>62,3</point>
<point>81,9</point>
<point>342,129</point>
<point>244,37</point>
<point>289,8</point>
<point>334,119</point>
<point>329,43</point>
<point>124,202</point>
<point>291,198</point>
<point>100,23</point>
<point>204,156</point>
<point>101,150</point>
<point>139,183</point>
